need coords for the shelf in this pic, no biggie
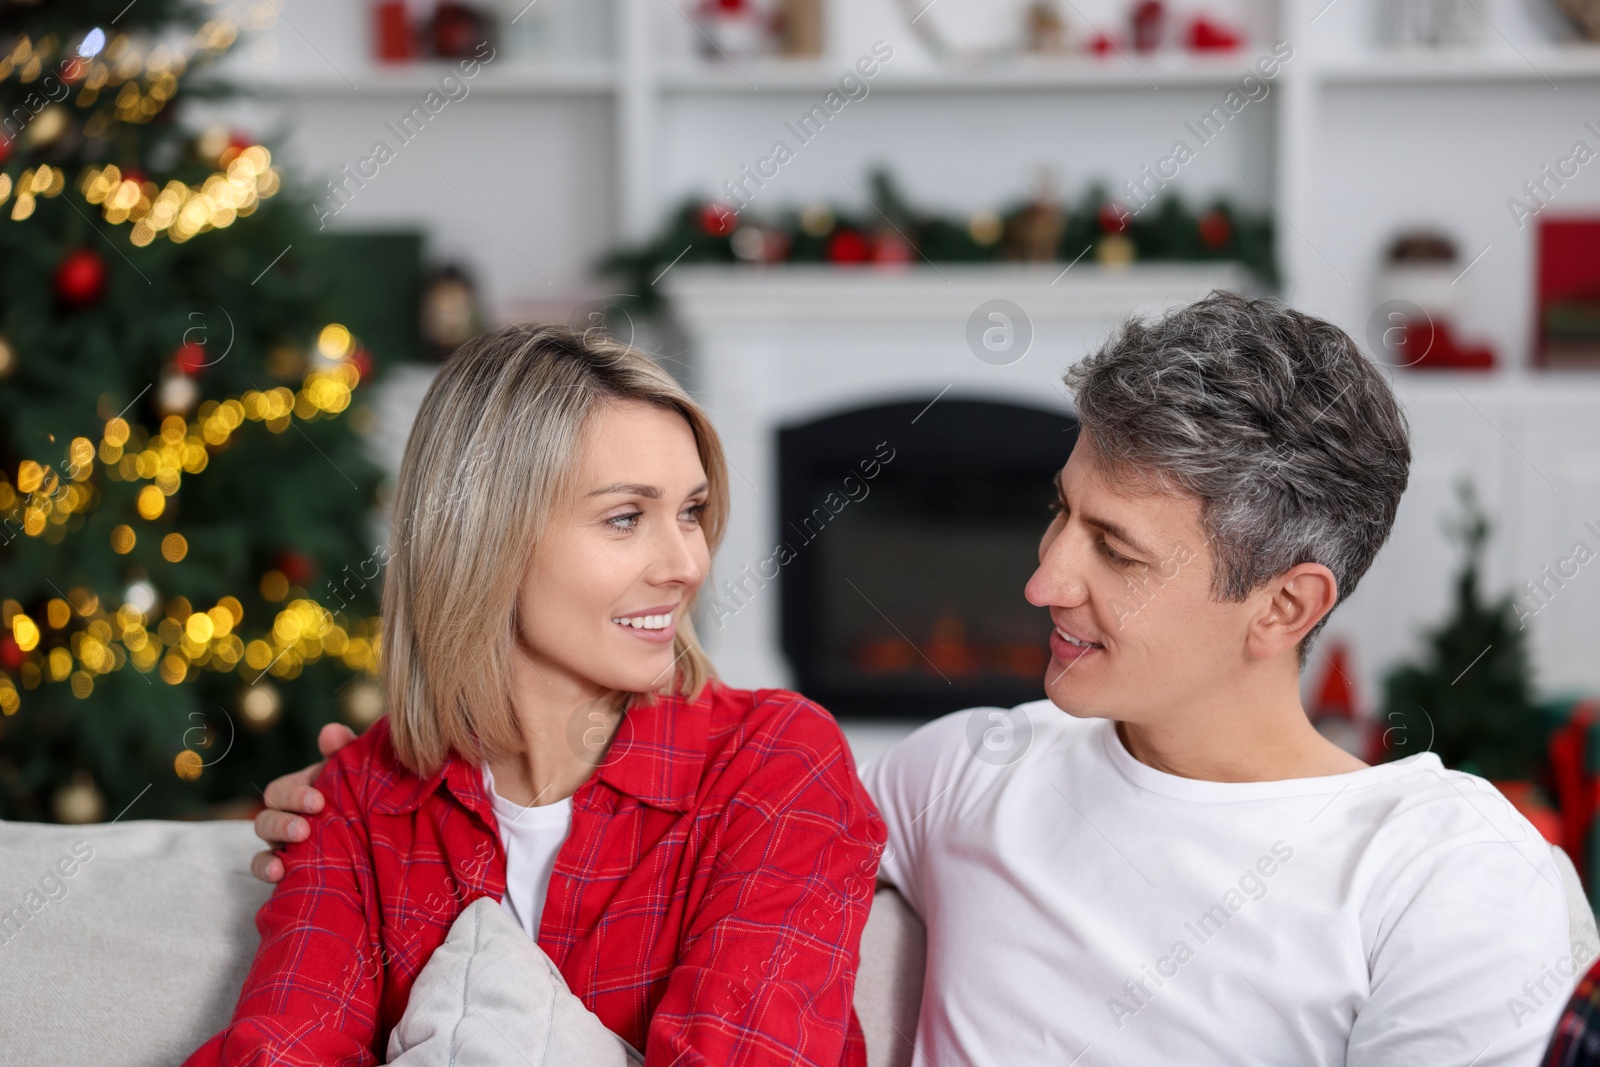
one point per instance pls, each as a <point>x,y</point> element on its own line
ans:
<point>1540,65</point>
<point>1023,76</point>
<point>503,79</point>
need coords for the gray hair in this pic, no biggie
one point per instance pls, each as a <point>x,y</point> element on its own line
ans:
<point>1290,437</point>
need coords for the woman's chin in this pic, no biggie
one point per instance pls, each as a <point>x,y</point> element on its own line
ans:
<point>638,673</point>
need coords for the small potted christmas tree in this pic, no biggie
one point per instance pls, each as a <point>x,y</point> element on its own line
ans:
<point>1471,697</point>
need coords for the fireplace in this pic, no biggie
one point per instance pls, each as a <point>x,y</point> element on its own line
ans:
<point>913,528</point>
<point>804,371</point>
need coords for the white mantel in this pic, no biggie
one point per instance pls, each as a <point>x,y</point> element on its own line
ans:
<point>788,345</point>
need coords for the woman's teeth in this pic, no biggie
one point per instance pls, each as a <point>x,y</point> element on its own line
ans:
<point>645,622</point>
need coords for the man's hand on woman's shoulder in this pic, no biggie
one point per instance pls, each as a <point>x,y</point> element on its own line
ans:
<point>293,795</point>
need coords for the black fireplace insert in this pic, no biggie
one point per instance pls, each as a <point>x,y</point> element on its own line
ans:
<point>911,529</point>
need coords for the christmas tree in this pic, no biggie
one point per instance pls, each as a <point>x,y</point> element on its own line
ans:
<point>1471,698</point>
<point>185,559</point>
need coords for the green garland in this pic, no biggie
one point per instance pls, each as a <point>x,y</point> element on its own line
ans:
<point>1096,229</point>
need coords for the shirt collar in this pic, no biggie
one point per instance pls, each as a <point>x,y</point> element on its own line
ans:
<point>657,757</point>
<point>659,752</point>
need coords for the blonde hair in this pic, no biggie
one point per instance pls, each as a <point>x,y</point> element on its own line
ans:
<point>491,454</point>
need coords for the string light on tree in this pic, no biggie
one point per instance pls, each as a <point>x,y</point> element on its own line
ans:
<point>154,572</point>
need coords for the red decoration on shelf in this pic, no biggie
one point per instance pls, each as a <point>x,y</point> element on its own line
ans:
<point>717,219</point>
<point>296,566</point>
<point>1113,217</point>
<point>1567,323</point>
<point>80,277</point>
<point>1102,45</point>
<point>392,38</point>
<point>458,29</point>
<point>1432,345</point>
<point>1216,230</point>
<point>847,246</point>
<point>11,654</point>
<point>190,358</point>
<point>1207,36</point>
<point>1149,20</point>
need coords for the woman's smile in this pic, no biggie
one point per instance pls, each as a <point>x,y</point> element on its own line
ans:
<point>657,625</point>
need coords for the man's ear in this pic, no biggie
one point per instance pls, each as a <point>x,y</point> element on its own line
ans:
<point>1294,602</point>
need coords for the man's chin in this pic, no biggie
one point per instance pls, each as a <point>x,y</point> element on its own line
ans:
<point>1076,701</point>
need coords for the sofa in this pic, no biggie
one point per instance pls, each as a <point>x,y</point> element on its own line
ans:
<point>124,945</point>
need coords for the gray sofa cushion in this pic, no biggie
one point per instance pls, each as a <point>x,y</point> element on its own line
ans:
<point>136,956</point>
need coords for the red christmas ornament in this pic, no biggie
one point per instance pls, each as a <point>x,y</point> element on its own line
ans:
<point>190,358</point>
<point>847,246</point>
<point>717,219</point>
<point>5,149</point>
<point>80,277</point>
<point>774,246</point>
<point>1102,45</point>
<point>890,247</point>
<point>1216,230</point>
<point>11,654</point>
<point>296,566</point>
<point>1113,217</point>
<point>362,361</point>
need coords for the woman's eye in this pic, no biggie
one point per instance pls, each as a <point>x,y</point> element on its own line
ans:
<point>693,512</point>
<point>625,522</point>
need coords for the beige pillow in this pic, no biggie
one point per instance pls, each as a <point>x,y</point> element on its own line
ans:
<point>490,997</point>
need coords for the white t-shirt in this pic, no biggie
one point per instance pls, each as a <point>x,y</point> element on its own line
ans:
<point>531,837</point>
<point>1084,908</point>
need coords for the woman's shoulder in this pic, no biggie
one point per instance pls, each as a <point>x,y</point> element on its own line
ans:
<point>768,715</point>
<point>363,769</point>
<point>769,743</point>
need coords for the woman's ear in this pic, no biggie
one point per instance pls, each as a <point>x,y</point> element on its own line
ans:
<point>1295,602</point>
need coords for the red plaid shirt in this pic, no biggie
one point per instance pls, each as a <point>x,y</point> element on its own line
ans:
<point>707,904</point>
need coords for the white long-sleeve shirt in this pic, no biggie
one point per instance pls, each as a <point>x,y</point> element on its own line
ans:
<point>1084,908</point>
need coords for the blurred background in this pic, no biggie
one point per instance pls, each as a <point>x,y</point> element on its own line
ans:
<point>239,236</point>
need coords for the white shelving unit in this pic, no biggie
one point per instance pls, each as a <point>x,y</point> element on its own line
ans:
<point>545,166</point>
<point>1337,150</point>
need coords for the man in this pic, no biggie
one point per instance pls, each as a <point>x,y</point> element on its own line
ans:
<point>1164,862</point>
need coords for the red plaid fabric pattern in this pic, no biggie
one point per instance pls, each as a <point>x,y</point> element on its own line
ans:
<point>707,905</point>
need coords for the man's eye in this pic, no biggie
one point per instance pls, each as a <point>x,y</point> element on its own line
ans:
<point>1113,555</point>
<point>1057,507</point>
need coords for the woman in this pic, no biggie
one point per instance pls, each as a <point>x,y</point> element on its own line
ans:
<point>696,860</point>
